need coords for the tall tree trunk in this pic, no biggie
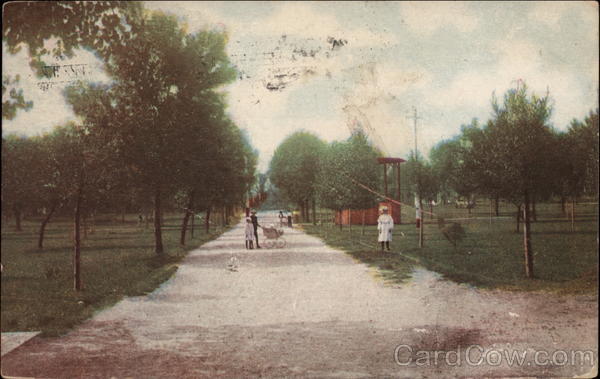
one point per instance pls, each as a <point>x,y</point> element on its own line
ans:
<point>518,218</point>
<point>84,225</point>
<point>192,226</point>
<point>207,220</point>
<point>314,211</point>
<point>341,220</point>
<point>77,241</point>
<point>17,213</point>
<point>186,217</point>
<point>527,238</point>
<point>43,226</point>
<point>93,223</point>
<point>496,206</point>
<point>158,243</point>
<point>573,214</point>
<point>184,222</point>
<point>303,210</point>
<point>563,202</point>
<point>362,232</point>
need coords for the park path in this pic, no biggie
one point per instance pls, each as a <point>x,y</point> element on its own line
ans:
<point>307,310</point>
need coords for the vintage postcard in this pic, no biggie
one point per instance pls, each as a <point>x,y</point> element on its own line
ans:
<point>199,189</point>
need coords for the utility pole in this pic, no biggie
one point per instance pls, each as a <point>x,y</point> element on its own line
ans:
<point>416,117</point>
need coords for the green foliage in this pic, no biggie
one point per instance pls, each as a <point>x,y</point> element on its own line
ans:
<point>163,97</point>
<point>422,178</point>
<point>295,164</point>
<point>21,167</point>
<point>14,100</point>
<point>510,155</point>
<point>100,26</point>
<point>77,160</point>
<point>159,129</point>
<point>576,158</point>
<point>353,159</point>
<point>450,164</point>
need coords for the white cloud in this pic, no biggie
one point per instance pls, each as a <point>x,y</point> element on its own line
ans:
<point>548,12</point>
<point>518,60</point>
<point>304,20</point>
<point>551,12</point>
<point>195,17</point>
<point>49,106</point>
<point>426,17</point>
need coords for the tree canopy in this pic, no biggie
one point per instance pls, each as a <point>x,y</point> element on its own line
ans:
<point>295,164</point>
<point>344,164</point>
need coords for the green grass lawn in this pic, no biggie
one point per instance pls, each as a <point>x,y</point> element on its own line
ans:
<point>491,254</point>
<point>117,260</point>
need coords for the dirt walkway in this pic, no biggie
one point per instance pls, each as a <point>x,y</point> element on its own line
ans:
<point>310,310</point>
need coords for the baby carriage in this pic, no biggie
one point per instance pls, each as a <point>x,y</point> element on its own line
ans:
<point>273,237</point>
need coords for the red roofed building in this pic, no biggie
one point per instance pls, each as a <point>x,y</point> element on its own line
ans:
<point>369,216</point>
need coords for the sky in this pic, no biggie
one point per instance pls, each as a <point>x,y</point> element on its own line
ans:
<point>333,67</point>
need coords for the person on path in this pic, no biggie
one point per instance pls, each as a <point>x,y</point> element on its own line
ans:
<point>249,234</point>
<point>385,224</point>
<point>255,224</point>
<point>281,218</point>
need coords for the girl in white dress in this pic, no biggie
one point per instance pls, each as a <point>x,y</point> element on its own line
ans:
<point>385,224</point>
<point>249,234</point>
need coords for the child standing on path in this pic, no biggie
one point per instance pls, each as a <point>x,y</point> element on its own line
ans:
<point>249,234</point>
<point>385,224</point>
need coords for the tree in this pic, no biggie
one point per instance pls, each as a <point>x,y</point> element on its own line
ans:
<point>101,26</point>
<point>510,155</point>
<point>199,139</point>
<point>222,172</point>
<point>345,164</point>
<point>79,170</point>
<point>12,98</point>
<point>294,166</point>
<point>49,179</point>
<point>422,179</point>
<point>445,158</point>
<point>575,160</point>
<point>450,163</point>
<point>160,66</point>
<point>19,179</point>
<point>236,169</point>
